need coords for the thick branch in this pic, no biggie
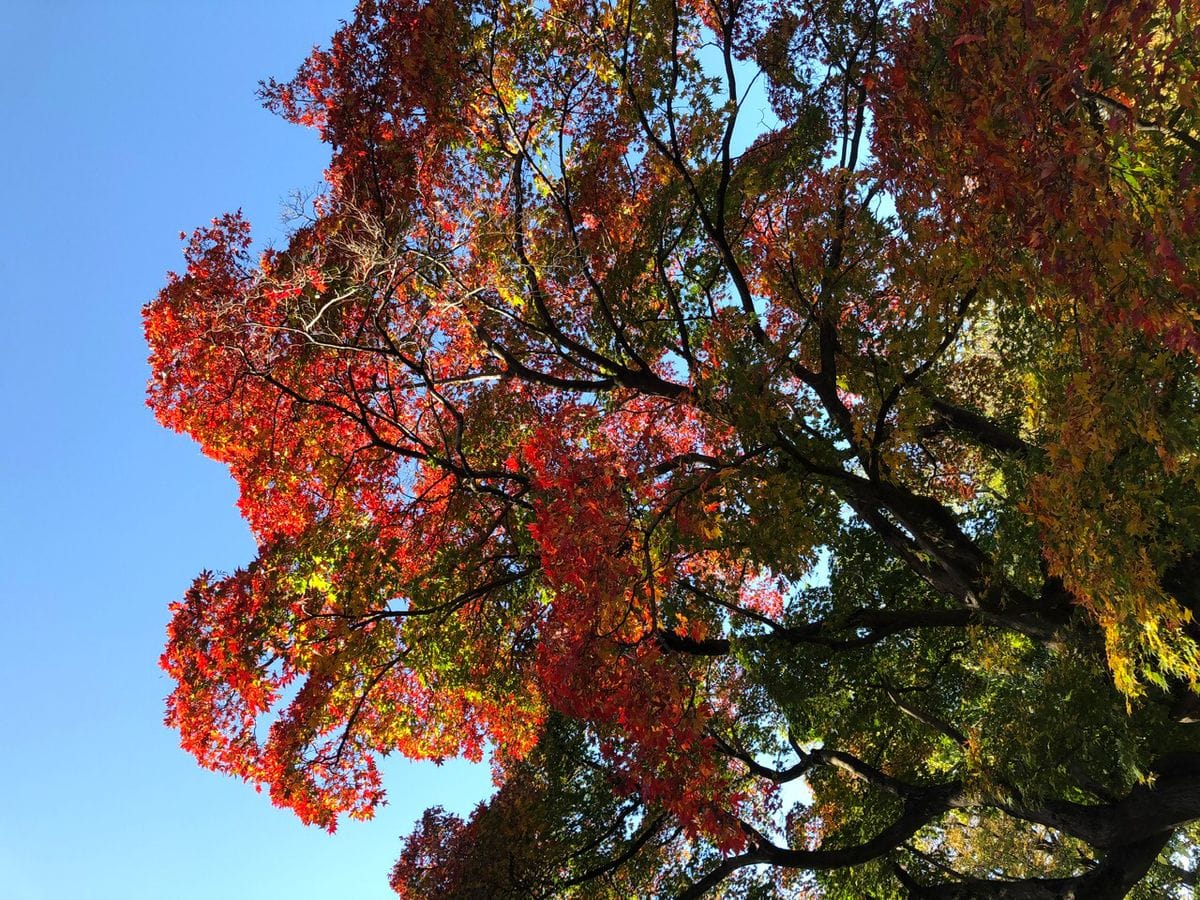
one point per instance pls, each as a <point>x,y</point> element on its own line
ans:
<point>1170,800</point>
<point>976,427</point>
<point>1112,879</point>
<point>918,812</point>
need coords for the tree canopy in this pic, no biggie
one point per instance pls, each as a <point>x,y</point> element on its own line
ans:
<point>768,431</point>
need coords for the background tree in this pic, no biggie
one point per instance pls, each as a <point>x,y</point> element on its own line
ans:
<point>681,399</point>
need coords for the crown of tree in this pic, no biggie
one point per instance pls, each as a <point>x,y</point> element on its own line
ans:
<point>767,430</point>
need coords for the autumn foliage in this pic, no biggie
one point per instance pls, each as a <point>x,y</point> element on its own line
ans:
<point>681,401</point>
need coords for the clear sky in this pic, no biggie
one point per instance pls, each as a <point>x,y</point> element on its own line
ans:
<point>126,122</point>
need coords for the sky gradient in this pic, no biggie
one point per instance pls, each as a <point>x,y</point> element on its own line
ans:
<point>127,122</point>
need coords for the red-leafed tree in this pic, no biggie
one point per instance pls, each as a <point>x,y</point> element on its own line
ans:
<point>682,400</point>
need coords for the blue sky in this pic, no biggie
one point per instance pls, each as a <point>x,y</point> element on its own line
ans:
<point>126,122</point>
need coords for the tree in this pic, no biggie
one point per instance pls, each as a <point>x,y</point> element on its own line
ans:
<point>685,400</point>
